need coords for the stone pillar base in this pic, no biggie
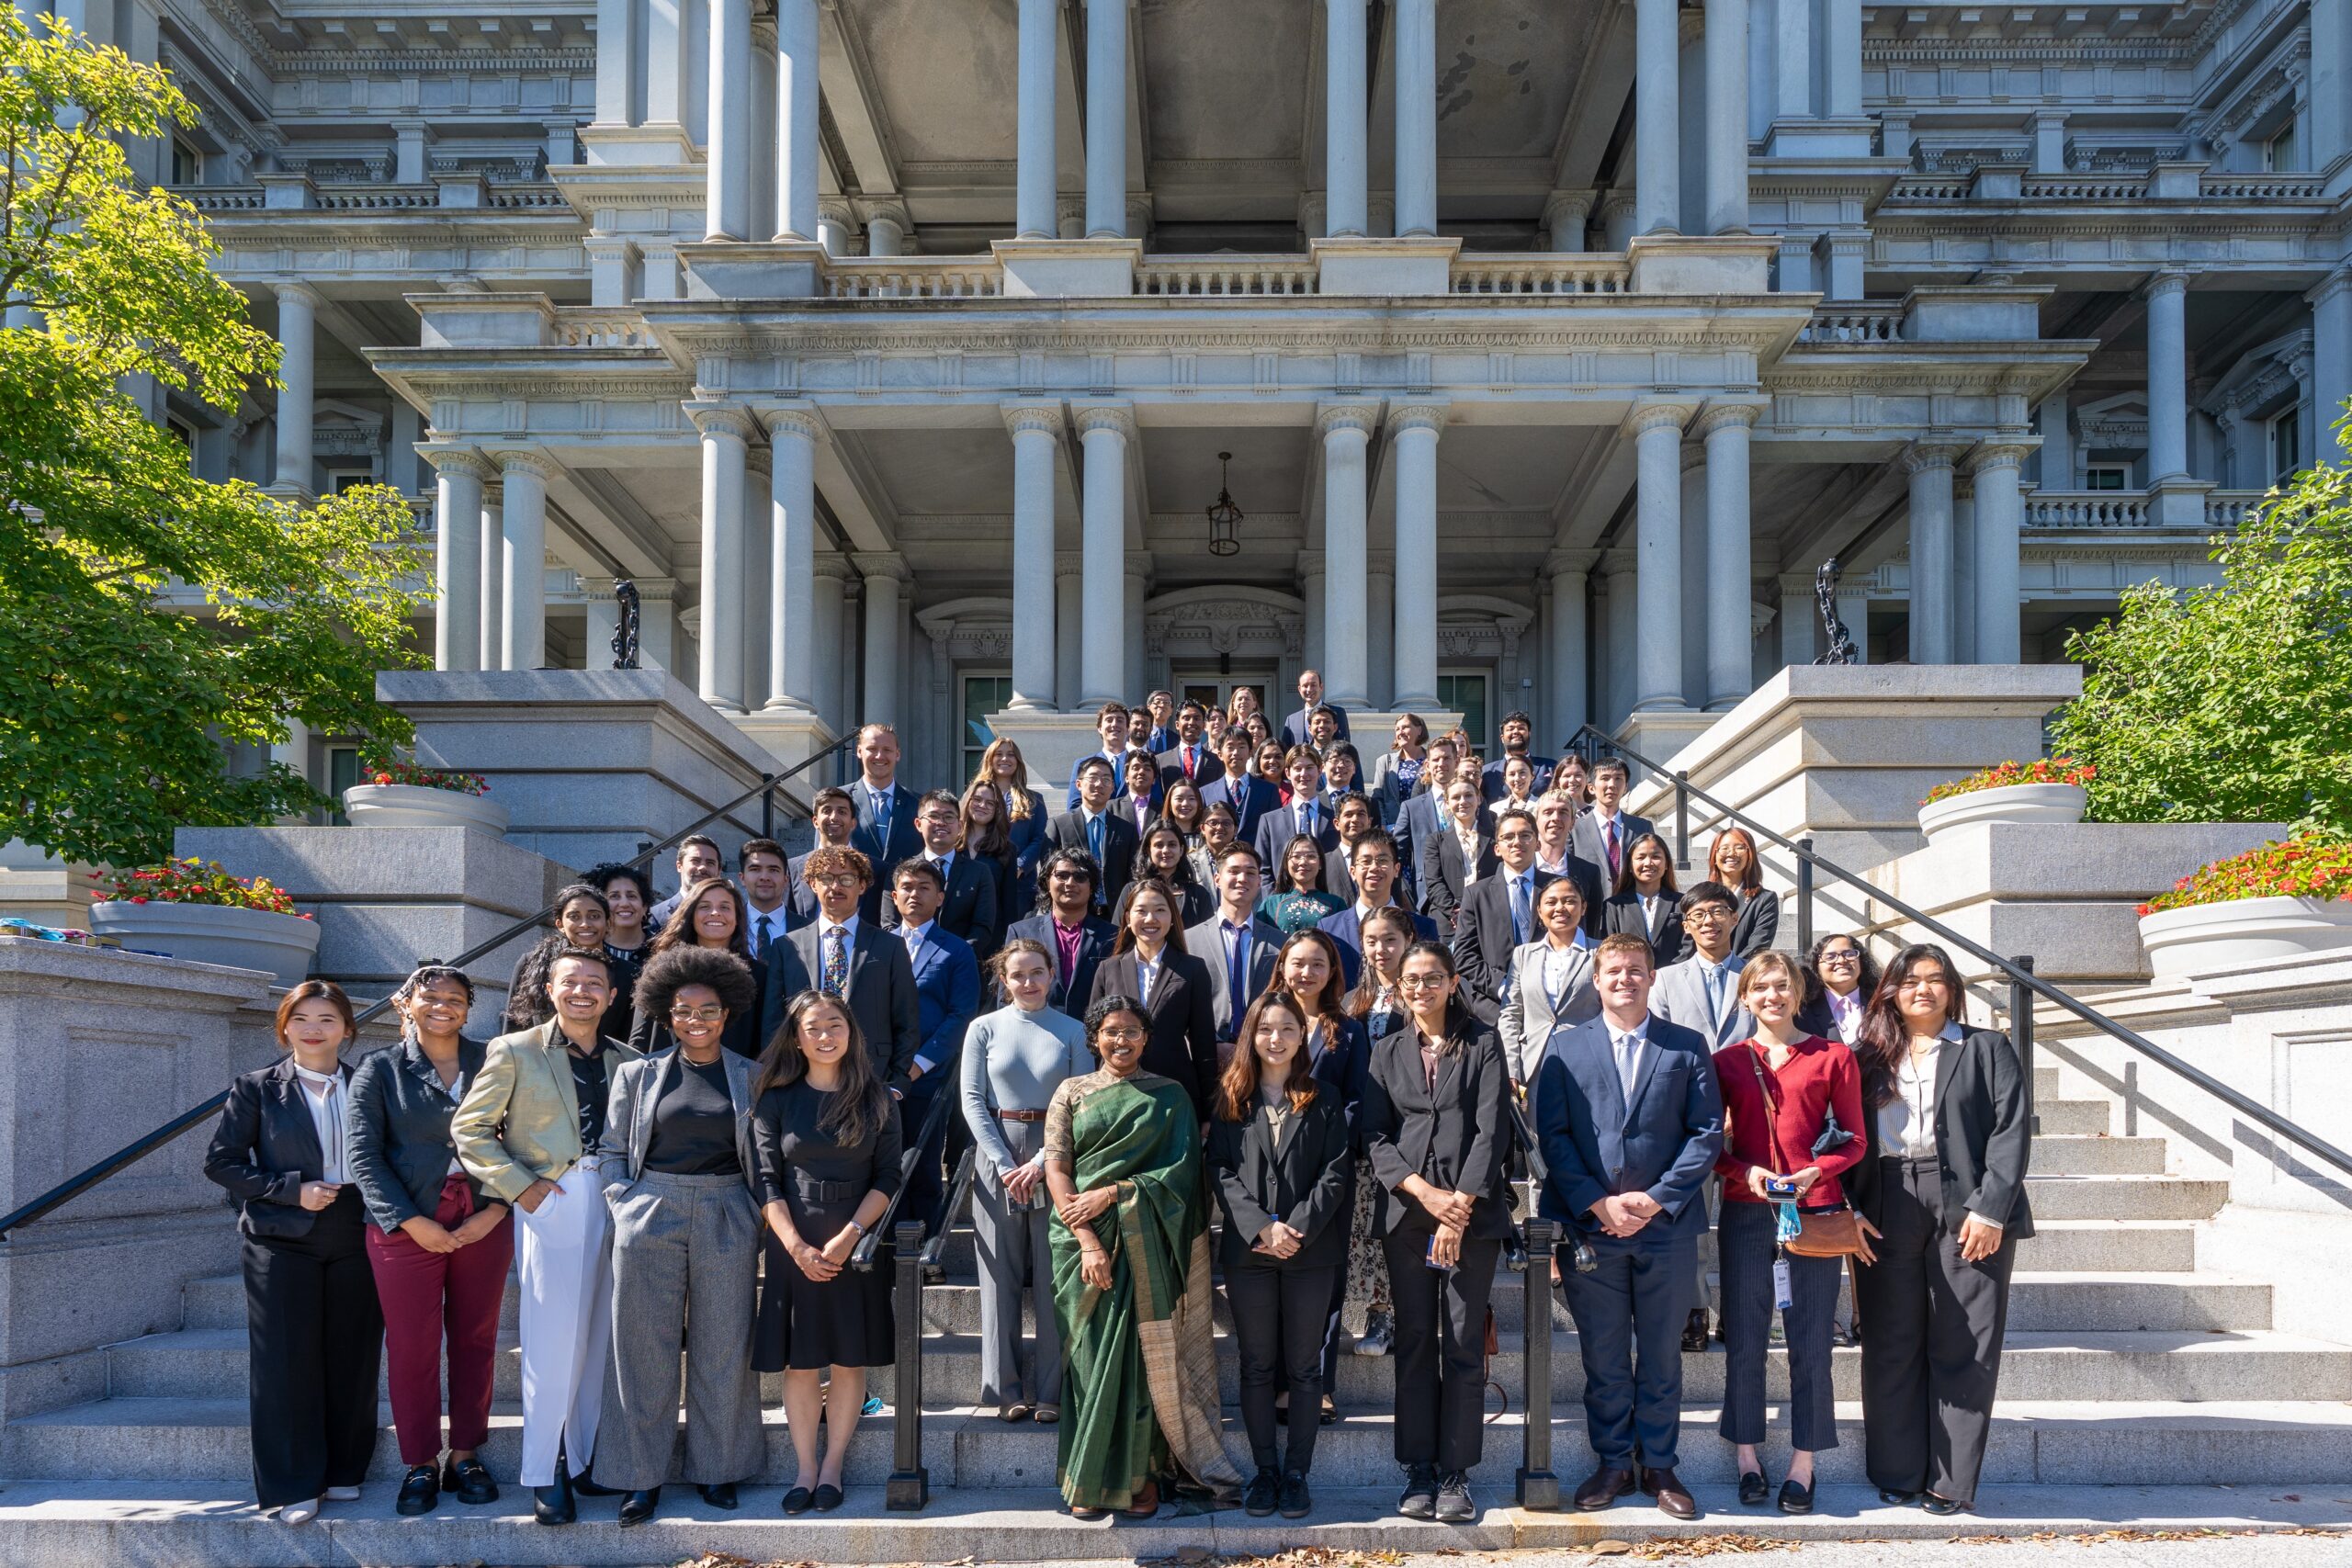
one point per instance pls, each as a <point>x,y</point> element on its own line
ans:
<point>2178,503</point>
<point>772,269</point>
<point>1697,264</point>
<point>1066,269</point>
<point>37,887</point>
<point>1051,743</point>
<point>1821,139</point>
<point>792,737</point>
<point>1385,267</point>
<point>1660,733</point>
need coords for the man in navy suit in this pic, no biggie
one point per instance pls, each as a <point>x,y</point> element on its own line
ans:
<point>1306,813</point>
<point>947,997</point>
<point>853,958</point>
<point>1188,756</point>
<point>1418,819</point>
<point>1631,1119</point>
<point>1249,797</point>
<point>833,814</point>
<point>1074,940</point>
<point>1373,862</point>
<point>1295,729</point>
<point>886,830</point>
<point>1515,731</point>
<point>1154,728</point>
<point>968,909</point>
<point>1112,725</point>
<point>1498,913</point>
<point>697,861</point>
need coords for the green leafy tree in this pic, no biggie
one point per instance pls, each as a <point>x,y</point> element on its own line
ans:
<point>2232,703</point>
<point>149,619</point>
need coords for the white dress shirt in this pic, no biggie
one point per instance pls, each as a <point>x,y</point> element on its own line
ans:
<point>327,1112</point>
<point>1846,1014</point>
<point>1906,1125</point>
<point>1628,1047</point>
<point>1147,971</point>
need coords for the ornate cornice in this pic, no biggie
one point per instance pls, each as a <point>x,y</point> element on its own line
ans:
<point>1992,455</point>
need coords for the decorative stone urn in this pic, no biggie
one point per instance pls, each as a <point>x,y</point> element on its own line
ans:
<point>420,805</point>
<point>2004,803</point>
<point>281,946</point>
<point>2205,939</point>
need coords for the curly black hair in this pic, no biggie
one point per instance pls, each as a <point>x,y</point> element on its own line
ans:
<point>667,974</point>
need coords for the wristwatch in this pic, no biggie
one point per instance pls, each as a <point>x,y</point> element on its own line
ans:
<point>858,1228</point>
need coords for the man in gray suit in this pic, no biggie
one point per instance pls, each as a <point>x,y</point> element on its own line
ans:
<point>1238,947</point>
<point>1603,834</point>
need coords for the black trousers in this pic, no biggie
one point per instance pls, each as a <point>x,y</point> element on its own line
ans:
<point>1931,1356</point>
<point>317,1334</point>
<point>1441,1351</point>
<point>1745,1242</point>
<point>1278,1330</point>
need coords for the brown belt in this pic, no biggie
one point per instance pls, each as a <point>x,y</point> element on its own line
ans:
<point>1021,1116</point>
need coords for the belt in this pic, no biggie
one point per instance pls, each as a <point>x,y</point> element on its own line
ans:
<point>818,1192</point>
<point>1021,1116</point>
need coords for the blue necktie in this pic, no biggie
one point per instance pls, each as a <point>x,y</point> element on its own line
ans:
<point>1094,840</point>
<point>766,935</point>
<point>1519,911</point>
<point>1237,978</point>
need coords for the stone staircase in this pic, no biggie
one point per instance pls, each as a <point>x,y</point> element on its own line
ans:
<point>2135,1387</point>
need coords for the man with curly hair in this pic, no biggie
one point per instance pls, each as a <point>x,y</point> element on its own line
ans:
<point>847,955</point>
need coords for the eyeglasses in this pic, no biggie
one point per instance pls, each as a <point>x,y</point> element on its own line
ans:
<point>1422,982</point>
<point>1841,956</point>
<point>1118,1031</point>
<point>835,879</point>
<point>709,1012</point>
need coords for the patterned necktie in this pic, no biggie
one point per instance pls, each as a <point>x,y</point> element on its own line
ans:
<point>767,934</point>
<point>1609,837</point>
<point>836,979</point>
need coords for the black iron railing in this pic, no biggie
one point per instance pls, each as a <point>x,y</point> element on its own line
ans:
<point>131,1154</point>
<point>909,1488</point>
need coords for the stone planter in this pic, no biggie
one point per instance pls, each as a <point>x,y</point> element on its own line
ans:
<point>420,805</point>
<point>2010,803</point>
<point>2205,939</point>
<point>281,946</point>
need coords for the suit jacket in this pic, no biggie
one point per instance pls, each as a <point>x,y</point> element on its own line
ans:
<point>1528,1015</point>
<point>1445,874</point>
<point>1455,1137</point>
<point>971,909</point>
<point>1416,829</point>
<point>520,1120</point>
<point>1028,836</point>
<point>1068,831</point>
<point>1681,997</point>
<point>1206,771</point>
<point>1386,785</point>
<point>801,901</point>
<point>1490,777</point>
<point>1485,939</point>
<point>1277,828</point>
<point>265,1146</point>
<point>1295,727</point>
<point>947,997</point>
<point>1346,928</point>
<point>1205,941</point>
<point>1342,1067</point>
<point>1759,923</point>
<point>1251,796</point>
<point>1598,1144</point>
<point>1584,839</point>
<point>1309,1183</point>
<point>397,1148</point>
<point>1158,739</point>
<point>884,850</point>
<point>636,1091</point>
<point>881,992</point>
<point>1984,1137</point>
<point>1182,1044</point>
<point>1094,947</point>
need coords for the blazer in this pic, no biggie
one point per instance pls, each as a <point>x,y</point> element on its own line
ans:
<point>1120,839</point>
<point>970,909</point>
<point>1455,1137</point>
<point>1182,1044</point>
<point>1205,941</point>
<point>1386,785</point>
<point>1346,928</point>
<point>1984,1137</point>
<point>1484,939</point>
<point>1669,944</point>
<point>747,1033</point>
<point>1309,1183</point>
<point>800,900</point>
<point>1251,796</point>
<point>1445,874</point>
<point>1028,836</point>
<point>1681,997</point>
<point>1416,830</point>
<point>1528,1016</point>
<point>1345,1063</point>
<point>1597,1144</point>
<point>881,992</point>
<point>1295,727</point>
<point>520,1120</point>
<point>1094,946</point>
<point>947,997</point>
<point>397,1147</point>
<point>1206,770</point>
<point>1759,923</point>
<point>636,1091</point>
<point>265,1146</point>
<point>869,839</point>
<point>1277,828</point>
<point>1118,776</point>
<point>1584,839</point>
<point>1490,777</point>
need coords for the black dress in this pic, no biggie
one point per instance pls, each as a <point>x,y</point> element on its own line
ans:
<point>845,1321</point>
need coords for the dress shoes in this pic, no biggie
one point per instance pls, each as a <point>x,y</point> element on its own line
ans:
<point>718,1495</point>
<point>640,1507</point>
<point>1796,1497</point>
<point>1895,1499</point>
<point>586,1484</point>
<point>827,1499</point>
<point>1942,1507</point>
<point>553,1504</point>
<point>470,1481</point>
<point>800,1500</point>
<point>1602,1487</point>
<point>1674,1500</point>
<point>1753,1489</point>
<point>420,1490</point>
<point>1694,1333</point>
<point>1292,1499</point>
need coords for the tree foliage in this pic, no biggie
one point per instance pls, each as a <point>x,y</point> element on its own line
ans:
<point>150,619</point>
<point>2233,703</point>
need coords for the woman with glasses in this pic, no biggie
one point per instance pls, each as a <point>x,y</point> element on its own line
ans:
<point>1943,1184</point>
<point>1840,974</point>
<point>711,917</point>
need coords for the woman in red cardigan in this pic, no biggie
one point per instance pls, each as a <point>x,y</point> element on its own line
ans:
<point>1783,1091</point>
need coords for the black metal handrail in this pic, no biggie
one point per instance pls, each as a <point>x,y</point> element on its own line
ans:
<point>72,1186</point>
<point>934,1122</point>
<point>2024,981</point>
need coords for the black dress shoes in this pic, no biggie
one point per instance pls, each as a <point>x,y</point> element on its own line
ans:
<point>1674,1499</point>
<point>1752,1488</point>
<point>1694,1333</point>
<point>798,1500</point>
<point>638,1506</point>
<point>552,1505</point>
<point>1942,1507</point>
<point>1265,1490</point>
<point>720,1495</point>
<point>470,1481</point>
<point>1419,1501</point>
<point>587,1486</point>
<point>1795,1497</point>
<point>827,1499</point>
<point>420,1490</point>
<point>1895,1499</point>
<point>1602,1487</point>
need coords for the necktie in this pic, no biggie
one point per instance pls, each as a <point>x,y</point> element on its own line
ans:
<point>1609,838</point>
<point>836,979</point>
<point>1628,1054</point>
<point>1712,978</point>
<point>1192,760</point>
<point>767,934</point>
<point>1237,971</point>
<point>1519,906</point>
<point>881,801</point>
<point>1094,840</point>
<point>1306,818</point>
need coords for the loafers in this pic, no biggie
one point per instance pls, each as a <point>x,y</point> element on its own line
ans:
<point>420,1490</point>
<point>1265,1490</point>
<point>798,1500</point>
<point>1602,1487</point>
<point>470,1482</point>
<point>1419,1501</point>
<point>827,1499</point>
<point>1795,1497</point>
<point>1674,1499</point>
<point>587,1486</point>
<point>1942,1507</point>
<point>720,1495</point>
<point>640,1507</point>
<point>1752,1488</point>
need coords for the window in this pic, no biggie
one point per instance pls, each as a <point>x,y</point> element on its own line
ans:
<point>2286,444</point>
<point>342,479</point>
<point>343,772</point>
<point>187,165</point>
<point>1464,692</point>
<point>983,695</point>
<point>2107,476</point>
<point>2280,154</point>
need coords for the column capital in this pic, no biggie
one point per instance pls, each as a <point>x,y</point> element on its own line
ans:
<point>1121,417</point>
<point>1355,416</point>
<point>836,210</point>
<point>293,292</point>
<point>461,461</point>
<point>1574,206</point>
<point>1923,456</point>
<point>830,564</point>
<point>2328,287</point>
<point>1623,561</point>
<point>1138,563</point>
<point>1069,563</point>
<point>2170,280</point>
<point>882,563</point>
<point>889,210</point>
<point>536,464</point>
<point>1655,414</point>
<point>1996,455</point>
<point>712,417</point>
<point>1719,414</point>
<point>1021,418</point>
<point>792,419</point>
<point>1310,563</point>
<point>1422,413</point>
<point>1570,562</point>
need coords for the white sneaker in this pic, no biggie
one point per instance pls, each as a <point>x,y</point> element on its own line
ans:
<point>300,1512</point>
<point>342,1493</point>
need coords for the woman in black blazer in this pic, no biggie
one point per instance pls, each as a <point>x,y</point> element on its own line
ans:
<point>1946,1115</point>
<point>1645,904</point>
<point>1434,1120</point>
<point>1731,860</point>
<point>712,914</point>
<point>1281,1163</point>
<point>1164,855</point>
<point>440,1248</point>
<point>1339,1053</point>
<point>316,1333</point>
<point>1183,1047</point>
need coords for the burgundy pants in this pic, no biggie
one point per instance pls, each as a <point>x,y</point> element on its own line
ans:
<point>432,1296</point>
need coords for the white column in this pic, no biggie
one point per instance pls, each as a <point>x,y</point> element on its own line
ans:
<point>1789,55</point>
<point>2329,128</point>
<point>492,560</point>
<point>1731,647</point>
<point>1727,46</point>
<point>1380,628</point>
<point>2331,360</point>
<point>886,231</point>
<point>457,569</point>
<point>1036,436</point>
<point>1694,573</point>
<point>1623,626</point>
<point>1104,432</point>
<point>1414,431</point>
<point>2167,376</point>
<point>1564,677</point>
<point>617,58</point>
<point>1417,117</point>
<point>831,575</point>
<point>1657,115</point>
<point>835,225</point>
<point>1345,431</point>
<point>1033,185</point>
<point>1657,436</point>
<point>1800,621</point>
<point>523,621</point>
<point>1346,160</point>
<point>1841,54</point>
<point>726,430</point>
<point>885,631</point>
<point>792,559</point>
<point>1963,568</point>
<point>1930,468</point>
<point>1567,215</point>
<point>727,206</point>
<point>2000,516</point>
<point>1106,126</point>
<point>1069,628</point>
<point>796,119</point>
<point>1310,594</point>
<point>2057,443</point>
<point>297,331</point>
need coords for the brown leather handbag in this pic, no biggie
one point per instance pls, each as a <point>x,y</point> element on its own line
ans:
<point>1821,1233</point>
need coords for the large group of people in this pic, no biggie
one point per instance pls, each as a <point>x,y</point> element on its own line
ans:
<point>1244,1012</point>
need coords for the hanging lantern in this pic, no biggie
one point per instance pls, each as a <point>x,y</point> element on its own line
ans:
<point>1225,518</point>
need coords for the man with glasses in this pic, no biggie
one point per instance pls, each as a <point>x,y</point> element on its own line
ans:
<point>846,955</point>
<point>527,1129</point>
<point>1371,864</point>
<point>1498,915</point>
<point>968,900</point>
<point>1105,837</point>
<point>1067,928</point>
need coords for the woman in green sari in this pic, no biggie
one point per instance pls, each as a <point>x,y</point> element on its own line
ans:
<point>1131,1283</point>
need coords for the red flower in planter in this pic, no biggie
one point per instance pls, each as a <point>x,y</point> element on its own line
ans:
<point>2308,867</point>
<point>2046,770</point>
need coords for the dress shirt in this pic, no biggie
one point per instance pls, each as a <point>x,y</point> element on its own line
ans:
<point>1147,971</point>
<point>1906,1125</point>
<point>825,930</point>
<point>1556,965</point>
<point>1304,816</point>
<point>915,937</point>
<point>878,802</point>
<point>1067,940</point>
<point>1612,841</point>
<point>327,1113</point>
<point>767,926</point>
<point>1468,835</point>
<point>1846,1012</point>
<point>1237,939</point>
<point>946,865</point>
<point>1627,1047</point>
<point>1649,908</point>
<point>1718,980</point>
<point>457,1093</point>
<point>1093,822</point>
<point>1522,904</point>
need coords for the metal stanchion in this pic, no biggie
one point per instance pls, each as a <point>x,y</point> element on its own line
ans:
<point>909,1488</point>
<point>1682,821</point>
<point>1804,897</point>
<point>1538,1487</point>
